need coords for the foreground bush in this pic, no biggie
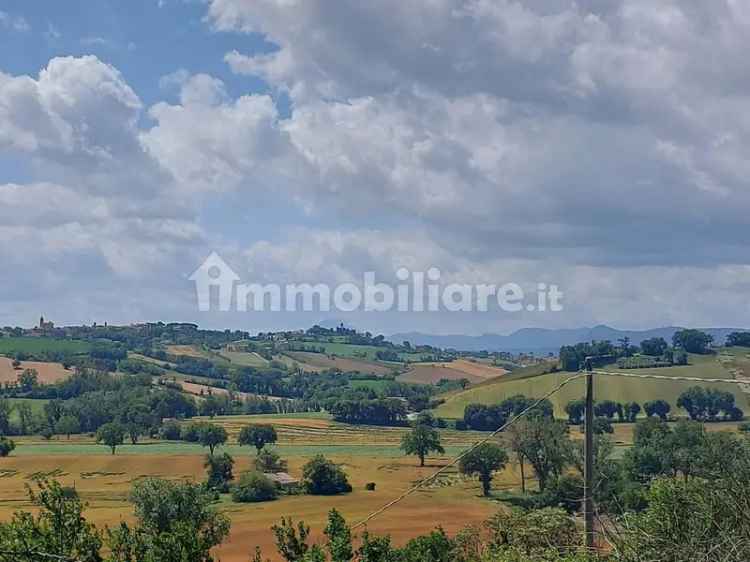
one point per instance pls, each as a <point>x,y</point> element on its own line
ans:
<point>254,487</point>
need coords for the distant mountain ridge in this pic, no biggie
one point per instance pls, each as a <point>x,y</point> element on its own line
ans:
<point>544,340</point>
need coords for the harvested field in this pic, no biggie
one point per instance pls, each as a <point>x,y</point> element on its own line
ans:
<point>432,373</point>
<point>48,372</point>
<point>104,482</point>
<point>345,364</point>
<point>189,350</point>
<point>476,368</point>
<point>205,390</point>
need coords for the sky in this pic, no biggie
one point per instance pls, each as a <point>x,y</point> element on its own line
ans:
<point>601,146</point>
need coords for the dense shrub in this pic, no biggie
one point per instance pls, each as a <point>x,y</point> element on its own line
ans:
<point>254,487</point>
<point>6,446</point>
<point>321,477</point>
<point>170,431</point>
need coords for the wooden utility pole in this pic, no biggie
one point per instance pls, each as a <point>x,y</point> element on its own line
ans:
<point>588,469</point>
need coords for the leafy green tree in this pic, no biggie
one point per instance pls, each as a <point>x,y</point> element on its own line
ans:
<point>219,472</point>
<point>111,434</point>
<point>68,425</point>
<point>254,487</point>
<point>606,409</point>
<point>420,441</point>
<point>28,379</point>
<point>58,532</point>
<point>655,347</point>
<point>339,535</point>
<point>212,436</point>
<point>603,425</point>
<point>25,417</point>
<point>291,541</point>
<point>258,436</point>
<point>176,523</point>
<point>540,534</point>
<point>575,409</point>
<point>321,477</point>
<point>659,408</point>
<point>741,339</point>
<point>6,408</point>
<point>7,446</point>
<point>546,446</point>
<point>632,409</point>
<point>692,341</point>
<point>483,461</point>
<point>435,547</point>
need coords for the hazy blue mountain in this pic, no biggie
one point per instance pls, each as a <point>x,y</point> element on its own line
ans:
<point>543,340</point>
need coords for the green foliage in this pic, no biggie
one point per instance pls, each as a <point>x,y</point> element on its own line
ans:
<point>481,417</point>
<point>545,444</point>
<point>654,347</point>
<point>176,523</point>
<point>170,431</point>
<point>258,436</point>
<point>543,534</point>
<point>420,441</point>
<point>211,436</point>
<point>606,409</point>
<point>219,472</point>
<point>254,487</point>
<point>694,520</point>
<point>575,409</point>
<point>291,541</point>
<point>321,477</point>
<point>631,410</point>
<point>482,462</point>
<point>741,339</point>
<point>692,341</point>
<point>339,535</point>
<point>435,547</point>
<point>602,425</point>
<point>705,404</point>
<point>28,379</point>
<point>269,461</point>
<point>6,446</point>
<point>59,529</point>
<point>68,425</point>
<point>111,434</point>
<point>659,408</point>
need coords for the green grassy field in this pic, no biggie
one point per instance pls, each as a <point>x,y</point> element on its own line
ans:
<point>9,346</point>
<point>606,388</point>
<point>244,359</point>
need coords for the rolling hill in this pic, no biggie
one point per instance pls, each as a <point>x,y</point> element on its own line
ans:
<point>542,340</point>
<point>523,381</point>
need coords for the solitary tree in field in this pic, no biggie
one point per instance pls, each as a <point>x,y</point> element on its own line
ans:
<point>111,434</point>
<point>420,441</point>
<point>483,461</point>
<point>258,436</point>
<point>211,436</point>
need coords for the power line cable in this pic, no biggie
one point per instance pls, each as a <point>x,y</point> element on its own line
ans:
<point>457,459</point>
